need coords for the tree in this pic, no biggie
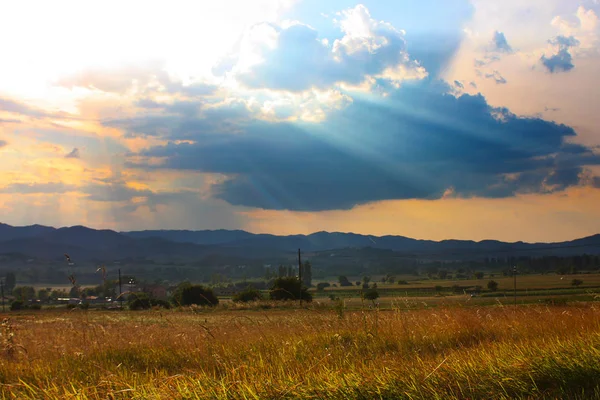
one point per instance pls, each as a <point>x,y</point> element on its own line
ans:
<point>344,281</point>
<point>576,282</point>
<point>492,285</point>
<point>176,297</point>
<point>289,288</point>
<point>43,295</point>
<point>478,275</point>
<point>10,282</point>
<point>322,285</point>
<point>248,294</point>
<point>365,281</point>
<point>24,293</point>
<point>307,274</point>
<point>371,294</point>
<point>74,292</point>
<point>199,295</point>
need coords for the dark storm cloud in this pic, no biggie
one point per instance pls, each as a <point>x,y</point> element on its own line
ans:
<point>415,143</point>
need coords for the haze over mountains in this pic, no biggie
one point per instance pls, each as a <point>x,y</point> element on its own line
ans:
<point>50,243</point>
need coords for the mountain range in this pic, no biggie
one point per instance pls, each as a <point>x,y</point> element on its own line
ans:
<point>90,244</point>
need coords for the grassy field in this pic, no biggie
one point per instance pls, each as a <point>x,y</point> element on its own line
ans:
<point>529,282</point>
<point>321,352</point>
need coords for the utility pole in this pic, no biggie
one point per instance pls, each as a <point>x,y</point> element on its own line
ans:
<point>515,284</point>
<point>120,290</point>
<point>2,293</point>
<point>300,274</point>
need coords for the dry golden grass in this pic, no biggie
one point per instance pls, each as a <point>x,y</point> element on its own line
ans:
<point>492,352</point>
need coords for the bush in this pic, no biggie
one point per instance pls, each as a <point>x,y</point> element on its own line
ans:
<point>576,282</point>
<point>34,306</point>
<point>492,285</point>
<point>198,294</point>
<point>401,282</point>
<point>322,285</point>
<point>289,289</point>
<point>16,305</point>
<point>249,294</point>
<point>138,301</point>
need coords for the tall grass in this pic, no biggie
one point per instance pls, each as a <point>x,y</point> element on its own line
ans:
<point>493,352</point>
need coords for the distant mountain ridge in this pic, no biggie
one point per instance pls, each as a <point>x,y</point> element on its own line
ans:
<point>88,243</point>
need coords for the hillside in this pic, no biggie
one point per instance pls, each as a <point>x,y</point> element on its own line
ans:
<point>87,244</point>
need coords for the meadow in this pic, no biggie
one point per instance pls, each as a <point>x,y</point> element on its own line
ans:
<point>321,351</point>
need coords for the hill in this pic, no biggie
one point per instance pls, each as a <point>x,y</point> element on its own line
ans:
<point>89,244</point>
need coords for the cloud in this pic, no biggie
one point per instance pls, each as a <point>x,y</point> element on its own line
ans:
<point>141,77</point>
<point>17,107</point>
<point>495,75</point>
<point>293,57</point>
<point>415,143</point>
<point>500,43</point>
<point>10,121</point>
<point>561,60</point>
<point>73,153</point>
<point>129,197</point>
<point>37,188</point>
<point>116,79</point>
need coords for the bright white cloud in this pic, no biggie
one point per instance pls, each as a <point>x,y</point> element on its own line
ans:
<point>44,41</point>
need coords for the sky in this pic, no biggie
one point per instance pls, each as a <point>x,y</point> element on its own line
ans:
<point>465,119</point>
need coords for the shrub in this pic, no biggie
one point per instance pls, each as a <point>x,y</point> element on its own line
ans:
<point>576,282</point>
<point>198,294</point>
<point>138,301</point>
<point>492,285</point>
<point>249,294</point>
<point>16,305</point>
<point>322,285</point>
<point>402,282</point>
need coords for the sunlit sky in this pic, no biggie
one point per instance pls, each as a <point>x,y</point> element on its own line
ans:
<point>425,118</point>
